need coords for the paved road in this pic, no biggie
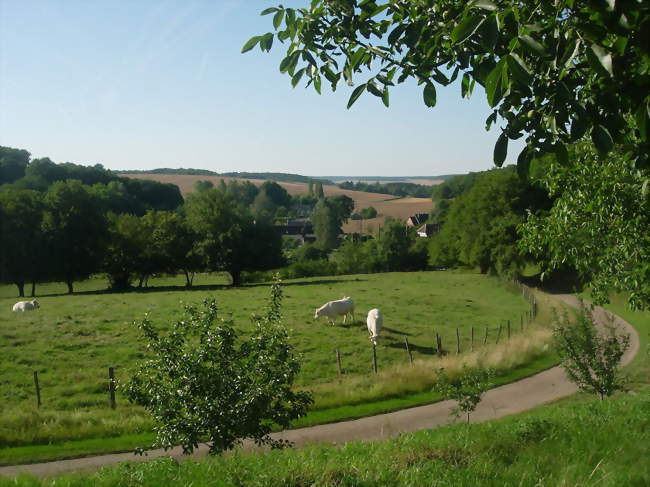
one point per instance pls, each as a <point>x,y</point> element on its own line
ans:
<point>501,401</point>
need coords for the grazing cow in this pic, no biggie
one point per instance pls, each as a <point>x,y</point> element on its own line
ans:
<point>334,309</point>
<point>25,306</point>
<point>375,321</point>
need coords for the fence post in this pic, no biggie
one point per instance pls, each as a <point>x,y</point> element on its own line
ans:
<point>439,344</point>
<point>521,322</point>
<point>408,350</point>
<point>508,330</point>
<point>38,390</point>
<point>471,341</point>
<point>374,358</point>
<point>457,341</point>
<point>486,336</point>
<point>338,362</point>
<point>111,386</point>
<point>498,334</point>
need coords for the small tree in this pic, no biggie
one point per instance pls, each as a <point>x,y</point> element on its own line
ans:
<point>591,359</point>
<point>201,382</point>
<point>467,389</point>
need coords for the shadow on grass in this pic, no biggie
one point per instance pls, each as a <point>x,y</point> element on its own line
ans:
<point>414,347</point>
<point>198,287</point>
<point>397,332</point>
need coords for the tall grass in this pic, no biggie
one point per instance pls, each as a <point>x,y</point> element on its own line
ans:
<point>404,378</point>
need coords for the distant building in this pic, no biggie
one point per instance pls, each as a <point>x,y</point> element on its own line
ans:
<point>299,229</point>
<point>428,229</point>
<point>417,219</point>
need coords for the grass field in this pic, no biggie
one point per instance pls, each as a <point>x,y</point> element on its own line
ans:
<point>385,204</point>
<point>577,441</point>
<point>72,340</point>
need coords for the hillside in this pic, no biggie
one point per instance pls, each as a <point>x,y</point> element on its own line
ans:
<point>386,205</point>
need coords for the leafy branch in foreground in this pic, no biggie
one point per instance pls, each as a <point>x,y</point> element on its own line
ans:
<point>203,383</point>
<point>552,71</point>
<point>591,359</point>
<point>467,389</point>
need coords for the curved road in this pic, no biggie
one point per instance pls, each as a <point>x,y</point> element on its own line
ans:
<point>501,401</point>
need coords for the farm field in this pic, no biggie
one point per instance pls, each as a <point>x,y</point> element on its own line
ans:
<point>72,340</point>
<point>385,204</point>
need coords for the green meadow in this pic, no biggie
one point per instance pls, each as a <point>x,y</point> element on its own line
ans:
<point>73,339</point>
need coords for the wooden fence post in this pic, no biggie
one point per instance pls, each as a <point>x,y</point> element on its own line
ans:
<point>498,333</point>
<point>471,340</point>
<point>521,322</point>
<point>508,330</point>
<point>439,344</point>
<point>486,336</point>
<point>111,386</point>
<point>408,350</point>
<point>374,358</point>
<point>338,362</point>
<point>457,341</point>
<point>38,390</point>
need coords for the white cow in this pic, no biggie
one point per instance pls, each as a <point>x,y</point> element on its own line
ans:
<point>375,321</point>
<point>334,309</point>
<point>25,306</point>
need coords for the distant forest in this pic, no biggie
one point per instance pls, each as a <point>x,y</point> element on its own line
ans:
<point>401,189</point>
<point>270,176</point>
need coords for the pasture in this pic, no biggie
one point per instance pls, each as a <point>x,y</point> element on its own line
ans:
<point>72,340</point>
<point>385,204</point>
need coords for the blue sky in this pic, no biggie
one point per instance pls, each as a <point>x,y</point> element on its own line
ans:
<point>142,84</point>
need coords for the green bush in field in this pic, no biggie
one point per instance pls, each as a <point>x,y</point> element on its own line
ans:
<point>202,382</point>
<point>591,359</point>
<point>467,389</point>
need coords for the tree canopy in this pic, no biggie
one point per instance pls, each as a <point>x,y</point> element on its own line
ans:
<point>552,71</point>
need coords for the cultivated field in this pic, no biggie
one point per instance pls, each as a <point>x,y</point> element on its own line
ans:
<point>386,205</point>
<point>72,340</point>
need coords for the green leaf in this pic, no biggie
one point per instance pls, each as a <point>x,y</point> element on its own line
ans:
<point>356,57</point>
<point>266,42</point>
<point>484,4</point>
<point>466,28</point>
<point>532,45</point>
<point>329,74</point>
<point>523,164</point>
<point>277,19</point>
<point>269,10</point>
<point>317,82</point>
<point>600,59</point>
<point>602,138</point>
<point>385,97</point>
<point>384,80</point>
<point>493,86</point>
<point>374,89</point>
<point>643,120</point>
<point>466,86</point>
<point>356,94</point>
<point>295,79</point>
<point>396,33</point>
<point>501,149</point>
<point>440,77</point>
<point>429,95</point>
<point>519,69</point>
<point>250,44</point>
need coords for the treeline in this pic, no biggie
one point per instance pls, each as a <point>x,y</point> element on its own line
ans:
<point>167,170</point>
<point>396,189</point>
<point>66,222</point>
<point>479,215</point>
<point>395,248</point>
<point>118,194</point>
<point>276,176</point>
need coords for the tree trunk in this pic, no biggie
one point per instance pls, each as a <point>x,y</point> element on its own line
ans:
<point>70,288</point>
<point>236,277</point>
<point>141,281</point>
<point>188,280</point>
<point>21,289</point>
<point>33,289</point>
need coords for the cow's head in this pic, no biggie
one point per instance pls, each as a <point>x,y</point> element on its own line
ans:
<point>35,304</point>
<point>317,314</point>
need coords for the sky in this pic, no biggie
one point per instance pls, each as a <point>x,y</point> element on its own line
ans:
<point>143,84</point>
